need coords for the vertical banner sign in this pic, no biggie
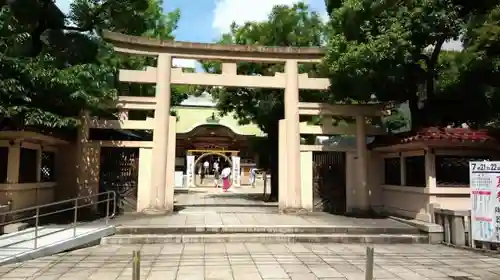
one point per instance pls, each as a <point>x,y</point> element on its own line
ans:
<point>190,171</point>
<point>485,195</point>
<point>236,170</point>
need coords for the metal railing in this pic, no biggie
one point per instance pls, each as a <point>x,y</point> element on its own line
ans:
<point>36,214</point>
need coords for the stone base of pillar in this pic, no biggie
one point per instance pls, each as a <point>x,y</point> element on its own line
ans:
<point>294,211</point>
<point>157,211</point>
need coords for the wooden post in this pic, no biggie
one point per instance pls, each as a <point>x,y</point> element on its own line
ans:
<point>136,265</point>
<point>369,263</point>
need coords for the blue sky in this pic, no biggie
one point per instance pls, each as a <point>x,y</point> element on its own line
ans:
<point>196,20</point>
<point>206,20</point>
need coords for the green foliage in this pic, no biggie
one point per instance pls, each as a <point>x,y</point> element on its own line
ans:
<point>53,66</point>
<point>286,26</point>
<point>393,50</point>
<point>397,121</point>
<point>41,89</point>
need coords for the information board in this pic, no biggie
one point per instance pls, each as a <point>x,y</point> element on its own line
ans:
<point>485,195</point>
<point>190,171</point>
<point>236,170</point>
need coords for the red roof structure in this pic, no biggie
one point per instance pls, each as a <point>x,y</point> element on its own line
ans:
<point>443,137</point>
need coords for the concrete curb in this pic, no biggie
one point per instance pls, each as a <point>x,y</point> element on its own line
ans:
<point>216,229</point>
<point>264,238</point>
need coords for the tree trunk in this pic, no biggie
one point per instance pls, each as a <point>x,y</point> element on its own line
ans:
<point>415,113</point>
<point>421,118</point>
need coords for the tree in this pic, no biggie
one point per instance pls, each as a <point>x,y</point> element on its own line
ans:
<point>391,49</point>
<point>50,70</point>
<point>36,86</point>
<point>396,121</point>
<point>480,63</point>
<point>286,26</point>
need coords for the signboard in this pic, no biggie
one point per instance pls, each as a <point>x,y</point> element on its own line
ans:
<point>236,172</point>
<point>179,177</point>
<point>190,171</point>
<point>485,195</point>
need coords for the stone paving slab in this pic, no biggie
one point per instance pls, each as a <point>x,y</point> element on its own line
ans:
<point>213,218</point>
<point>243,196</point>
<point>256,261</point>
<point>209,207</point>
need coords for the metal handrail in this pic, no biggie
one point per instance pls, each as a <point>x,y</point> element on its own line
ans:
<point>110,197</point>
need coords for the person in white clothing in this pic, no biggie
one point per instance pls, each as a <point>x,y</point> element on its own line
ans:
<point>226,178</point>
<point>216,174</point>
<point>206,165</point>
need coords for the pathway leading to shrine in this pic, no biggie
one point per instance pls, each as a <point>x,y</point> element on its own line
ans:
<point>207,215</point>
<point>256,261</point>
<point>215,197</point>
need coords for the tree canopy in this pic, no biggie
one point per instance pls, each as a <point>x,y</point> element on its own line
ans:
<point>293,25</point>
<point>394,51</point>
<point>286,26</point>
<point>52,65</point>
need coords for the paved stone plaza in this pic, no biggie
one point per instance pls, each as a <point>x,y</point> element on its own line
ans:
<point>209,216</point>
<point>255,261</point>
<point>243,206</point>
<point>238,200</point>
<point>236,196</point>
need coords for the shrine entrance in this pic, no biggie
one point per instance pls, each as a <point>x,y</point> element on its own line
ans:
<point>295,194</point>
<point>200,165</point>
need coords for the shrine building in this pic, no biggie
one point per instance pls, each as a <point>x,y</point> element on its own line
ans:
<point>202,135</point>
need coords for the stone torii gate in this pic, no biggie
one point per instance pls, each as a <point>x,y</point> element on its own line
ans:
<point>164,75</point>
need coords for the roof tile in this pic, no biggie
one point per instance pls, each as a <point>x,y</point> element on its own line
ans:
<point>436,134</point>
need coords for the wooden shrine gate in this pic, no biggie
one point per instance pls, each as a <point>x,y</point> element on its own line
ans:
<point>119,172</point>
<point>329,182</point>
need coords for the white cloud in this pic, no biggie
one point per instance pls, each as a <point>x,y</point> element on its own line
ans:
<point>63,5</point>
<point>454,45</point>
<point>240,11</point>
<point>184,63</point>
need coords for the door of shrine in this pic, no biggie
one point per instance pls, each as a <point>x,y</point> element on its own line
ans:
<point>329,182</point>
<point>196,158</point>
<point>119,173</point>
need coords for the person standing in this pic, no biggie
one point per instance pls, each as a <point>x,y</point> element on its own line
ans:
<point>206,165</point>
<point>216,174</point>
<point>253,175</point>
<point>200,171</point>
<point>202,175</point>
<point>226,178</point>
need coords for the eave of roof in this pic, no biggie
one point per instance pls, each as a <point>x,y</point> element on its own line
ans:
<point>436,136</point>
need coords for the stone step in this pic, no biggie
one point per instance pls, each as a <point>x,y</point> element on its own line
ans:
<point>123,239</point>
<point>256,229</point>
<point>225,209</point>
